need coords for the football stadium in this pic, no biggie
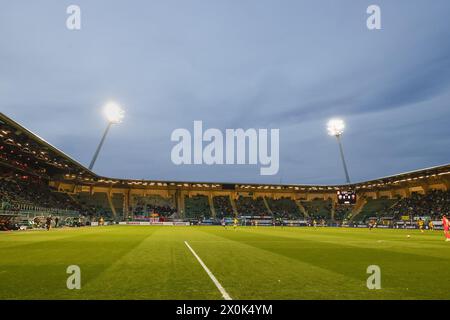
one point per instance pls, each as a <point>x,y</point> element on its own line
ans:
<point>143,239</point>
<point>224,158</point>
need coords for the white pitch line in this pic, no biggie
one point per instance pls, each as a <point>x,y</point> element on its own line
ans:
<point>225,295</point>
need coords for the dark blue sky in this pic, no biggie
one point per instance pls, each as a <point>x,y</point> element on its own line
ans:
<point>285,64</point>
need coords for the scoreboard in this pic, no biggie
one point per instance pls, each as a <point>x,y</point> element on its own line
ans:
<point>346,197</point>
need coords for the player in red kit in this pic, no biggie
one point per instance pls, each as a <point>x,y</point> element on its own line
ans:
<point>445,224</point>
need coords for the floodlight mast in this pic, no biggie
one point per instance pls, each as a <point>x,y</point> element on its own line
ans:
<point>336,128</point>
<point>114,114</point>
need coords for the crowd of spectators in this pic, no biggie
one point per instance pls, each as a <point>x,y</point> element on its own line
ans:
<point>197,207</point>
<point>222,206</point>
<point>318,208</point>
<point>153,204</point>
<point>250,206</point>
<point>149,209</point>
<point>342,211</point>
<point>376,208</point>
<point>284,208</point>
<point>23,193</point>
<point>434,204</point>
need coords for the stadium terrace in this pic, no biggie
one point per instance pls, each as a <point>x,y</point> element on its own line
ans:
<point>38,179</point>
<point>146,239</point>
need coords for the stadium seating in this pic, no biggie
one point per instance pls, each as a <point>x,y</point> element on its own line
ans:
<point>117,200</point>
<point>21,194</point>
<point>153,204</point>
<point>33,173</point>
<point>222,206</point>
<point>197,207</point>
<point>434,203</point>
<point>251,207</point>
<point>342,212</point>
<point>318,208</point>
<point>284,208</point>
<point>376,208</point>
<point>97,203</point>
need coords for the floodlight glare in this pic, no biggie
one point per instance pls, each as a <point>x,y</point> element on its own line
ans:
<point>335,127</point>
<point>114,112</point>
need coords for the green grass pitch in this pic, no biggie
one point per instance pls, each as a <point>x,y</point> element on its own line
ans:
<point>153,262</point>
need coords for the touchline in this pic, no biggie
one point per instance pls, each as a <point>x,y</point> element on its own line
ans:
<point>230,148</point>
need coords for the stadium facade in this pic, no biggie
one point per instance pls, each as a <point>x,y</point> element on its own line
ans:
<point>25,155</point>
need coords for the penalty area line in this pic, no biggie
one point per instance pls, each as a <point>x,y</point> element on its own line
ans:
<point>225,295</point>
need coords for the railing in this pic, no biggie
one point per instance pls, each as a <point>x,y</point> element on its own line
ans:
<point>32,210</point>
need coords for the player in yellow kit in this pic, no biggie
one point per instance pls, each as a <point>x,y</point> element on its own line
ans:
<point>235,223</point>
<point>420,223</point>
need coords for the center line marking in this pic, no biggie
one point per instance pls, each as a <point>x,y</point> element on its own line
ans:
<point>225,295</point>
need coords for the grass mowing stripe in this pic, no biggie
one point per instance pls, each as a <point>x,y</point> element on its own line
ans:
<point>225,295</point>
<point>253,252</point>
<point>127,262</point>
<point>26,238</point>
<point>39,270</point>
<point>336,257</point>
<point>419,244</point>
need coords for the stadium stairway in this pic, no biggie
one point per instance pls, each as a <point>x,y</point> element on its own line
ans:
<point>211,206</point>
<point>111,205</point>
<point>267,206</point>
<point>302,208</point>
<point>360,203</point>
<point>83,206</point>
<point>233,205</point>
<point>181,207</point>
<point>333,209</point>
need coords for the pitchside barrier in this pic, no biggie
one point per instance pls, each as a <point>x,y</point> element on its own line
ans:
<point>148,223</point>
<point>399,226</point>
<point>294,223</point>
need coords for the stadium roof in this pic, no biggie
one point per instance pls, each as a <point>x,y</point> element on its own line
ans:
<point>22,138</point>
<point>70,169</point>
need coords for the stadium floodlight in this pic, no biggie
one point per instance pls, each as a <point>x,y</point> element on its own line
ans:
<point>114,113</point>
<point>336,128</point>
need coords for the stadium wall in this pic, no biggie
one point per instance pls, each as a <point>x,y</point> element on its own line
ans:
<point>179,193</point>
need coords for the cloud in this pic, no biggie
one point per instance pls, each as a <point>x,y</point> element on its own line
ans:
<point>234,65</point>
